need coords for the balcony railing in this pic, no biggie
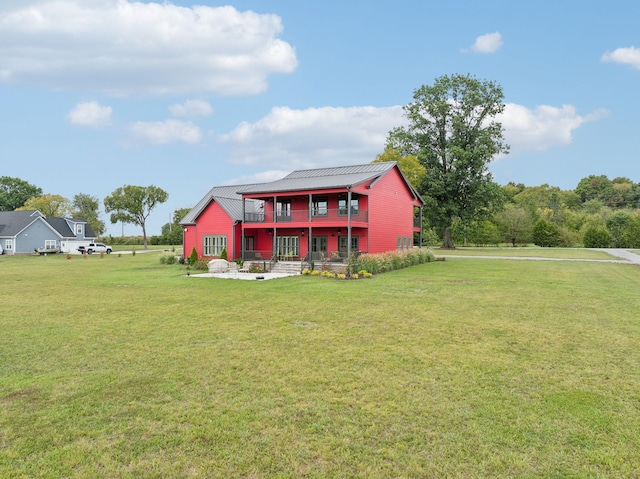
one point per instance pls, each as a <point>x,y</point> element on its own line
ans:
<point>302,216</point>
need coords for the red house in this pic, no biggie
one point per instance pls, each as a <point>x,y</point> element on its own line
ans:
<point>309,214</point>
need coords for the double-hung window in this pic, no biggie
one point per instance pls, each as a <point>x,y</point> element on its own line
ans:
<point>214,244</point>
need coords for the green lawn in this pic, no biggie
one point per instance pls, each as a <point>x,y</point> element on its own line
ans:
<point>118,366</point>
<point>531,251</point>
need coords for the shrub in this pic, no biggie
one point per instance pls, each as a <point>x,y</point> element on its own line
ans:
<point>341,276</point>
<point>596,237</point>
<point>306,271</point>
<point>315,272</point>
<point>567,238</point>
<point>392,260</point>
<point>167,259</point>
<point>193,257</point>
<point>545,233</point>
<point>201,265</point>
<point>223,254</point>
<point>625,230</point>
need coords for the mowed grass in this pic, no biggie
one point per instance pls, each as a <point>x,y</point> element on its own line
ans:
<point>120,367</point>
<point>528,251</point>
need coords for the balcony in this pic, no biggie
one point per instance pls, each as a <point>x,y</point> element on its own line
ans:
<point>332,216</point>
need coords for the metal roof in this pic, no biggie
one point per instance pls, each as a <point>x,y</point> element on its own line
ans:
<point>323,178</point>
<point>228,198</point>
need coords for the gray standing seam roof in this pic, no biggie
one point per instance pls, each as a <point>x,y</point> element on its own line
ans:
<point>229,200</point>
<point>230,197</point>
<point>324,178</point>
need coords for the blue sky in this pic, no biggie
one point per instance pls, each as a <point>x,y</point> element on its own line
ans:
<point>97,94</point>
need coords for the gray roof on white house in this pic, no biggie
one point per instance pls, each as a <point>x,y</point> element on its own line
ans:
<point>323,178</point>
<point>228,198</point>
<point>13,222</point>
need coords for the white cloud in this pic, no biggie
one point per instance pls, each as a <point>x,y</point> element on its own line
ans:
<point>90,114</point>
<point>626,56</point>
<point>543,126</point>
<point>313,137</point>
<point>192,108</point>
<point>163,132</point>
<point>261,177</point>
<point>488,43</point>
<point>123,47</point>
<point>288,139</point>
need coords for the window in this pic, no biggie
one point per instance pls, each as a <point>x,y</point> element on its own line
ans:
<point>320,207</point>
<point>343,241</point>
<point>79,228</point>
<point>405,242</point>
<point>288,246</point>
<point>50,244</point>
<point>213,245</point>
<point>8,244</point>
<point>342,206</point>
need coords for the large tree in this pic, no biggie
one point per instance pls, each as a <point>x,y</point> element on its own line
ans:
<point>15,192</point>
<point>172,232</point>
<point>49,205</point>
<point>133,205</point>
<point>86,208</point>
<point>454,133</point>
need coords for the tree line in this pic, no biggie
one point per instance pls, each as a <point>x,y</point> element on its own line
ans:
<point>444,151</point>
<point>453,135</point>
<point>128,204</point>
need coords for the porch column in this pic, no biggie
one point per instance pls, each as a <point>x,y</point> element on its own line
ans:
<point>349,224</point>
<point>310,206</point>
<point>242,251</point>
<point>420,235</point>
<point>274,243</point>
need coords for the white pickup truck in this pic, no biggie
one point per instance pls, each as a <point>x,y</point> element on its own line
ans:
<point>95,248</point>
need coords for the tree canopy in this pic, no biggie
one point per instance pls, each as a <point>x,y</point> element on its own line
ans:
<point>15,192</point>
<point>454,134</point>
<point>133,205</point>
<point>49,205</point>
<point>410,165</point>
<point>86,208</point>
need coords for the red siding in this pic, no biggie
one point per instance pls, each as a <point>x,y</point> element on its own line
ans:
<point>387,205</point>
<point>390,212</point>
<point>212,221</point>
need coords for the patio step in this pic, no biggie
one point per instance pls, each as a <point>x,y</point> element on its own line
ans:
<point>290,267</point>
